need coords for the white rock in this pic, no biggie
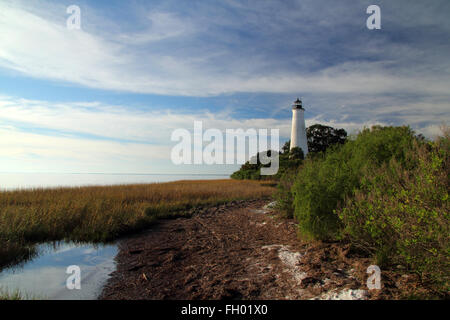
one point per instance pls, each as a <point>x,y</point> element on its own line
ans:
<point>290,259</point>
<point>347,294</point>
<point>270,205</point>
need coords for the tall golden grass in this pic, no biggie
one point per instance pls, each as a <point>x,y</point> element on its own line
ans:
<point>103,213</point>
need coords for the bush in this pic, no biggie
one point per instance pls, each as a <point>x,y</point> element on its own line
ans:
<point>401,214</point>
<point>287,160</point>
<point>283,195</point>
<point>325,181</point>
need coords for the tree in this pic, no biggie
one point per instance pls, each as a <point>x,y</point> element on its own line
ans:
<point>252,169</point>
<point>285,148</point>
<point>321,137</point>
<point>296,154</point>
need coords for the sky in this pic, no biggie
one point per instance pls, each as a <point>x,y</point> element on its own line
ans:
<point>106,98</point>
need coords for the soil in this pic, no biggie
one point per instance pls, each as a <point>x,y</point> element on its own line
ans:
<point>240,250</point>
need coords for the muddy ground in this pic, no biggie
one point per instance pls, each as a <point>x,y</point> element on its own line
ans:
<point>241,250</point>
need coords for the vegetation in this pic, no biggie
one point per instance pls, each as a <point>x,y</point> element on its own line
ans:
<point>320,138</point>
<point>283,194</point>
<point>401,214</point>
<point>5,295</point>
<point>386,191</point>
<point>324,182</point>
<point>14,252</point>
<point>15,295</point>
<point>288,160</point>
<point>105,213</point>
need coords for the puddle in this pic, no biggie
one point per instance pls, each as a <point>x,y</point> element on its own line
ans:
<point>44,277</point>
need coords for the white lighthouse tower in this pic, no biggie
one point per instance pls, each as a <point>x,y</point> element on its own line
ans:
<point>298,131</point>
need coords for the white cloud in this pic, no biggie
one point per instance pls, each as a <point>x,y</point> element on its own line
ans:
<point>41,136</point>
<point>33,152</point>
<point>162,26</point>
<point>37,136</point>
<point>39,45</point>
<point>100,121</point>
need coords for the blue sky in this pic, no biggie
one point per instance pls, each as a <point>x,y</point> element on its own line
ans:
<point>107,97</point>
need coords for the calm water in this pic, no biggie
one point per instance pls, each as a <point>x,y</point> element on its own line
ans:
<point>10,181</point>
<point>44,277</point>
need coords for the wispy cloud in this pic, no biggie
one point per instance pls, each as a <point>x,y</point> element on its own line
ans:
<point>94,137</point>
<point>158,26</point>
<point>198,52</point>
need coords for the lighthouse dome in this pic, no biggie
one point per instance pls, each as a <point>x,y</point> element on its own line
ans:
<point>297,104</point>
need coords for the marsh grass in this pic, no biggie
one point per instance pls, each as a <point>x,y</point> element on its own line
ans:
<point>16,295</point>
<point>12,253</point>
<point>6,294</point>
<point>103,213</point>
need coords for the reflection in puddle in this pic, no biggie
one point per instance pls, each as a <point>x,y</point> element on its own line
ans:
<point>44,277</point>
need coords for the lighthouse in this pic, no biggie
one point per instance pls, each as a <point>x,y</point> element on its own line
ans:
<point>298,130</point>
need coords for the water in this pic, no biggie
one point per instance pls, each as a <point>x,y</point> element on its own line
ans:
<point>44,277</point>
<point>11,181</point>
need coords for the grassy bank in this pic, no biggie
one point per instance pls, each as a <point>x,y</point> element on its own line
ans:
<point>6,294</point>
<point>14,295</point>
<point>11,296</point>
<point>105,213</point>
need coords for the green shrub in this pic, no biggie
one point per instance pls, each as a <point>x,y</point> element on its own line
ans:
<point>401,214</point>
<point>325,181</point>
<point>287,161</point>
<point>283,194</point>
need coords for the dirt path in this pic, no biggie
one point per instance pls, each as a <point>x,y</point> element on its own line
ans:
<point>234,251</point>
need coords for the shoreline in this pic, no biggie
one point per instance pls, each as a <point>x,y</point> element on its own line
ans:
<point>104,213</point>
<point>242,250</point>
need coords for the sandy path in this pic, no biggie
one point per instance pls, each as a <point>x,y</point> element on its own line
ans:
<point>234,251</point>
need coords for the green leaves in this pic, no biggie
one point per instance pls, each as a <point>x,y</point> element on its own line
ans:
<point>323,184</point>
<point>401,211</point>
